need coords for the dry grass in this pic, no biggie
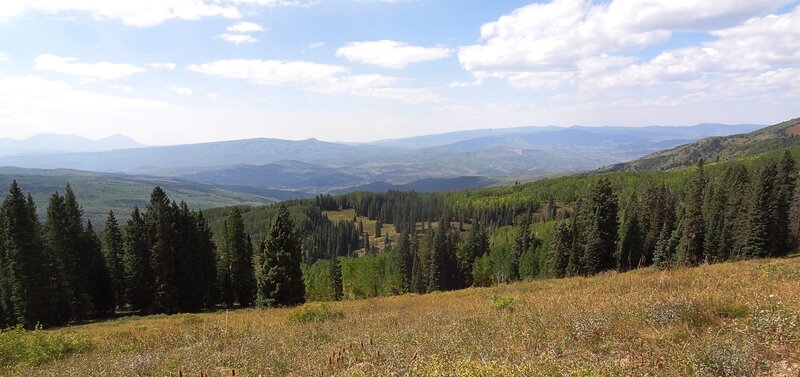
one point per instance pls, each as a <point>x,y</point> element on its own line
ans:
<point>736,319</point>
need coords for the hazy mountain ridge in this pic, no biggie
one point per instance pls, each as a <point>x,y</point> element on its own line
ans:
<point>719,148</point>
<point>495,155</point>
<point>43,144</point>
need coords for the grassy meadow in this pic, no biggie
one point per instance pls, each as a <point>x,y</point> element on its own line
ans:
<point>732,319</point>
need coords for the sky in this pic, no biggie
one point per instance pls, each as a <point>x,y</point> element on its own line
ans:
<point>186,71</point>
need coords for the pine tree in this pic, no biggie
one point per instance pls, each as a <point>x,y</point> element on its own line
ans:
<point>404,261</point>
<point>101,288</point>
<point>281,280</point>
<point>691,252</point>
<point>207,250</point>
<point>630,253</point>
<point>601,235</point>
<point>160,221</point>
<point>237,260</point>
<point>560,250</point>
<point>113,251</point>
<point>522,243</point>
<point>419,268</point>
<point>574,267</point>
<point>335,273</point>
<point>437,280</point>
<point>784,187</point>
<point>26,291</point>
<point>761,232</point>
<point>668,243</point>
<point>477,245</point>
<point>136,258</point>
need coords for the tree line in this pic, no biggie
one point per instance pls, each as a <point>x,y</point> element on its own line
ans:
<point>163,260</point>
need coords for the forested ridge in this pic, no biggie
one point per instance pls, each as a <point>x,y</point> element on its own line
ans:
<point>168,258</point>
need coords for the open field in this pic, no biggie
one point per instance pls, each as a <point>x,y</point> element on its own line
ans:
<point>728,319</point>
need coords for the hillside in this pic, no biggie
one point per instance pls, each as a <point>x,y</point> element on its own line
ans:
<point>721,148</point>
<point>100,192</point>
<point>686,322</point>
<point>52,143</point>
<point>504,155</point>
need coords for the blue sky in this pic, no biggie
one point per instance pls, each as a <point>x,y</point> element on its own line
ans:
<point>182,71</point>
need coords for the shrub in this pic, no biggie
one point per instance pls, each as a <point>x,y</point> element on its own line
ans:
<point>315,313</point>
<point>21,347</point>
<point>503,303</point>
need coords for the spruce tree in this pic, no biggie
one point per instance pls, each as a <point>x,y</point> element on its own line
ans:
<point>335,272</point>
<point>561,248</point>
<point>101,287</point>
<point>437,280</point>
<point>160,218</point>
<point>27,291</point>
<point>601,235</point>
<point>113,251</point>
<point>574,267</point>
<point>477,245</point>
<point>784,187</point>
<point>761,232</point>
<point>237,262</point>
<point>136,259</point>
<point>691,252</point>
<point>404,261</point>
<point>630,253</point>
<point>668,243</point>
<point>522,243</point>
<point>280,282</point>
<point>207,250</point>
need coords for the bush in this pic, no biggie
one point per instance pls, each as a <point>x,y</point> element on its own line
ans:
<point>503,303</point>
<point>315,313</point>
<point>18,346</point>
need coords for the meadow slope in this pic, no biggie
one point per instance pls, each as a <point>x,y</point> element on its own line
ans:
<point>727,319</point>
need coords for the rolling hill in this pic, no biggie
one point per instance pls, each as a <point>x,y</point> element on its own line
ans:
<point>715,149</point>
<point>99,192</point>
<point>501,155</point>
<point>42,144</point>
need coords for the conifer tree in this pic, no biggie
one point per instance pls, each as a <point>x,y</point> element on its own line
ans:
<point>560,250</point>
<point>404,261</point>
<point>27,293</point>
<point>437,280</point>
<point>784,187</point>
<point>522,242</point>
<point>477,245</point>
<point>136,258</point>
<point>691,251</point>
<point>160,220</point>
<point>761,233</point>
<point>601,234</point>
<point>101,287</point>
<point>238,261</point>
<point>280,282</point>
<point>207,251</point>
<point>335,272</point>
<point>630,253</point>
<point>113,251</point>
<point>574,267</point>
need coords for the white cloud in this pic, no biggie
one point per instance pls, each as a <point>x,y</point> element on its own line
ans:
<point>237,39</point>
<point>245,27</point>
<point>316,45</point>
<point>167,66</point>
<point>551,43</point>
<point>180,90</point>
<point>71,66</point>
<point>3,57</point>
<point>278,3</point>
<point>320,78</point>
<point>212,96</point>
<point>140,13</point>
<point>390,54</point>
<point>122,88</point>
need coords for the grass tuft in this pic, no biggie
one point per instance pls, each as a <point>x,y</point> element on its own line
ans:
<point>315,313</point>
<point>35,347</point>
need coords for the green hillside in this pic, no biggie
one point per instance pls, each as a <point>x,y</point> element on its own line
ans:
<point>99,193</point>
<point>715,149</point>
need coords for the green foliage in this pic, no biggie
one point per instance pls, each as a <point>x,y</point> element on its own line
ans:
<point>501,303</point>
<point>280,282</point>
<point>370,276</point>
<point>315,313</point>
<point>34,347</point>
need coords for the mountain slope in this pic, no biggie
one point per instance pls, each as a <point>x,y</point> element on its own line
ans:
<point>100,192</point>
<point>713,149</point>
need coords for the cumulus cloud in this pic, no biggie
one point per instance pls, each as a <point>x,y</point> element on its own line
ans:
<point>245,27</point>
<point>237,39</point>
<point>122,88</point>
<point>390,54</point>
<point>594,47</point>
<point>71,66</point>
<point>320,78</point>
<point>167,66</point>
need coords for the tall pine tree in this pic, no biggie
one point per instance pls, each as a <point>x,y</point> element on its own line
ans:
<point>113,251</point>
<point>280,282</point>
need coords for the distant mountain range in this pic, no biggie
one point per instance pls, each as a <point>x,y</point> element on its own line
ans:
<point>718,148</point>
<point>43,144</point>
<point>466,159</point>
